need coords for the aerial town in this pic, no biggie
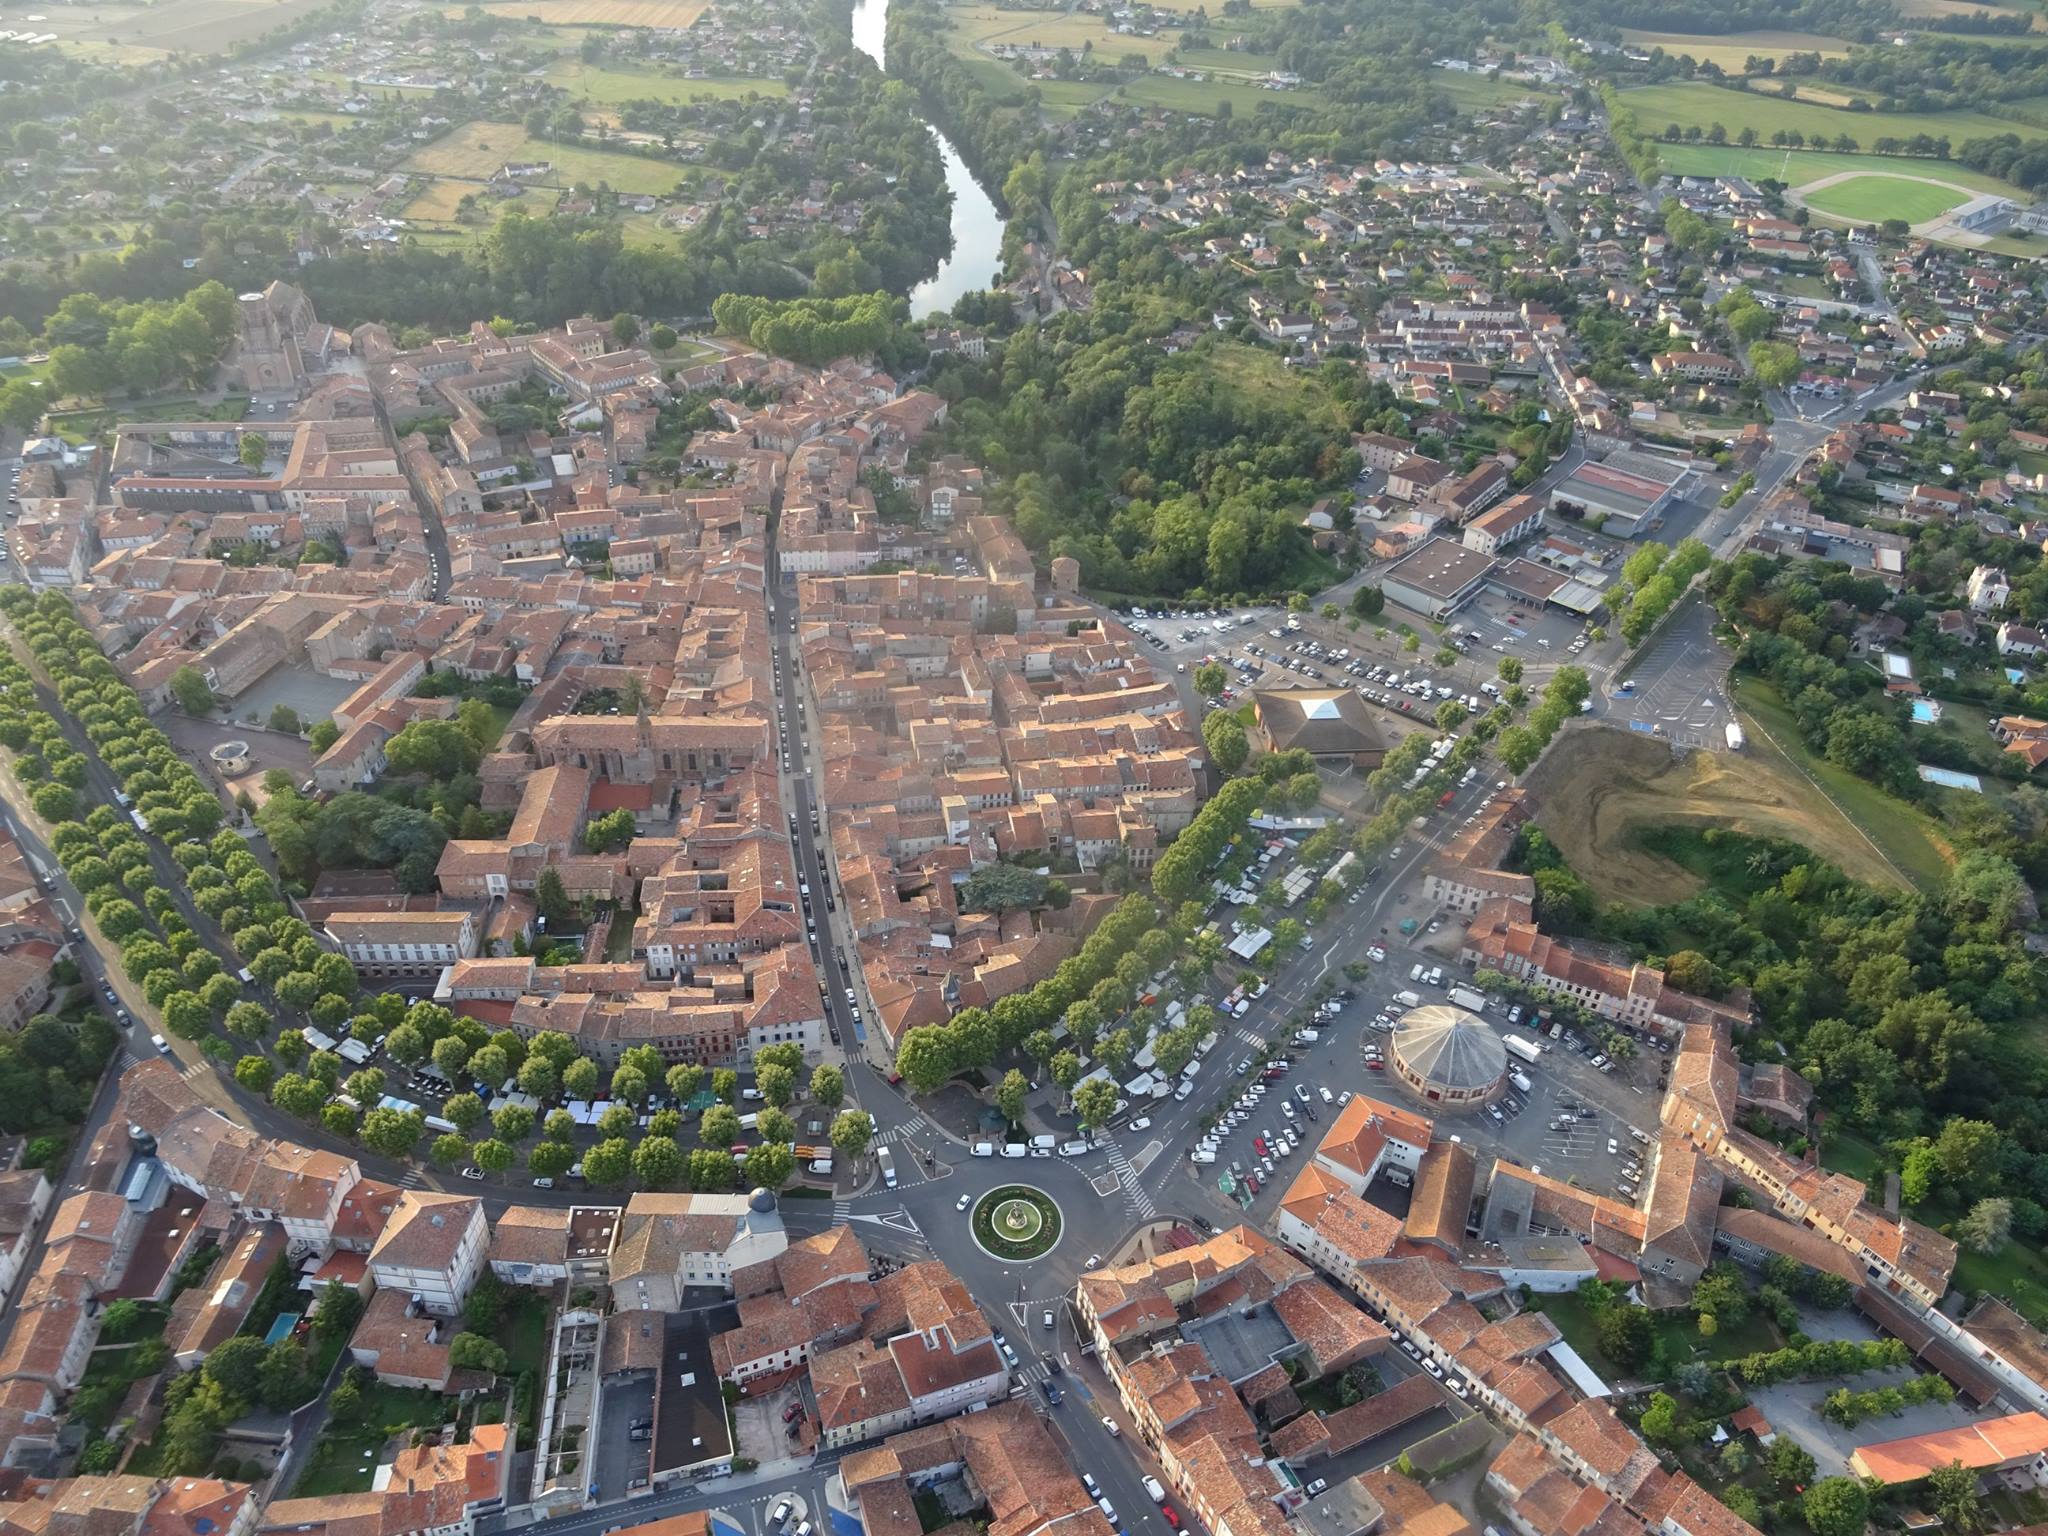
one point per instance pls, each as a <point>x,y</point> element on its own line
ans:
<point>1400,650</point>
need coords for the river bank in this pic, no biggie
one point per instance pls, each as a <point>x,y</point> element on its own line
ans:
<point>976,258</point>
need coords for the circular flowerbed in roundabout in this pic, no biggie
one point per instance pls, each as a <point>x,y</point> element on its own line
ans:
<point>1017,1222</point>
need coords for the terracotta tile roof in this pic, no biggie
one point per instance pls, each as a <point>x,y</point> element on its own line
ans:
<point>1682,1505</point>
<point>430,1486</point>
<point>1410,1511</point>
<point>1618,1459</point>
<point>426,1230</point>
<point>1336,1332</point>
<point>1440,1203</point>
<point>1356,1228</point>
<point>1984,1444</point>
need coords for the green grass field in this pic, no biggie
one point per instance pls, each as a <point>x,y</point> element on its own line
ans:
<point>612,86</point>
<point>1067,98</point>
<point>1732,51</point>
<point>1695,104</point>
<point>1902,833</point>
<point>979,26</point>
<point>1225,61</point>
<point>1846,1152</point>
<point>1799,166</point>
<point>1478,93</point>
<point>474,151</point>
<point>1201,100</point>
<point>1873,198</point>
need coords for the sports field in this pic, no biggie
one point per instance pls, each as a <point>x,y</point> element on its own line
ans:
<point>1872,199</point>
<point>475,151</point>
<point>1698,105</point>
<point>612,86</point>
<point>1228,61</point>
<point>1732,51</point>
<point>1798,167</point>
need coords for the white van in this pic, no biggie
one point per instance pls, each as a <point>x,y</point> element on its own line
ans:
<point>1045,1143</point>
<point>984,1149</point>
<point>1015,1149</point>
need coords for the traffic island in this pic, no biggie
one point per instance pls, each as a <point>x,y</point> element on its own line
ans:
<point>1016,1222</point>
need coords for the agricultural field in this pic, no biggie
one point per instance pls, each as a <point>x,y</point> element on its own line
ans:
<point>679,14</point>
<point>437,203</point>
<point>1203,5</point>
<point>1871,199</point>
<point>980,27</point>
<point>134,32</point>
<point>1201,99</point>
<point>1733,50</point>
<point>1698,105</point>
<point>609,87</point>
<point>1067,98</point>
<point>1958,8</point>
<point>1800,167</point>
<point>474,151</point>
<point>1601,788</point>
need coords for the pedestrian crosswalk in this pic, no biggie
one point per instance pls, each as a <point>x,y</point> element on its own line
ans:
<point>1251,1037</point>
<point>841,1210</point>
<point>897,1134</point>
<point>1136,1196</point>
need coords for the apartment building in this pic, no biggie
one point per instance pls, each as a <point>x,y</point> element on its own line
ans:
<point>668,1245</point>
<point>432,1249</point>
<point>812,1296</point>
<point>925,1353</point>
<point>389,946</point>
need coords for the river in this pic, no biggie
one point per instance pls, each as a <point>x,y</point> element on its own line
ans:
<point>976,260</point>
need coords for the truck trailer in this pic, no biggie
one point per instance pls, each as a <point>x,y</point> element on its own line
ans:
<point>1525,1049</point>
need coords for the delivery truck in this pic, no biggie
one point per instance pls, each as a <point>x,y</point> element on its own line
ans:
<point>1466,998</point>
<point>1526,1049</point>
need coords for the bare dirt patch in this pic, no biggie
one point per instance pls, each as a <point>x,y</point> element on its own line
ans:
<point>1597,786</point>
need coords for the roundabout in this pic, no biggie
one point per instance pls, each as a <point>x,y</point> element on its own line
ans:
<point>1016,1221</point>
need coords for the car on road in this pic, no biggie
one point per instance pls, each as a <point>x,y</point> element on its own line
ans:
<point>963,1202</point>
<point>1142,1123</point>
<point>1110,1424</point>
<point>781,1512</point>
<point>1613,1146</point>
<point>472,1172</point>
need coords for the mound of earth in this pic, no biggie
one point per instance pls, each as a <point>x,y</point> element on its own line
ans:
<point>1597,786</point>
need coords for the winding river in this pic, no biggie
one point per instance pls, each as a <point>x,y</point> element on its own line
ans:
<point>977,257</point>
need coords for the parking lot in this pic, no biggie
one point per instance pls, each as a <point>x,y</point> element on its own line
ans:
<point>616,1458</point>
<point>1563,1124</point>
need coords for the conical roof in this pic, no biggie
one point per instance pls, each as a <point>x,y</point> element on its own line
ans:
<point>1450,1048</point>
